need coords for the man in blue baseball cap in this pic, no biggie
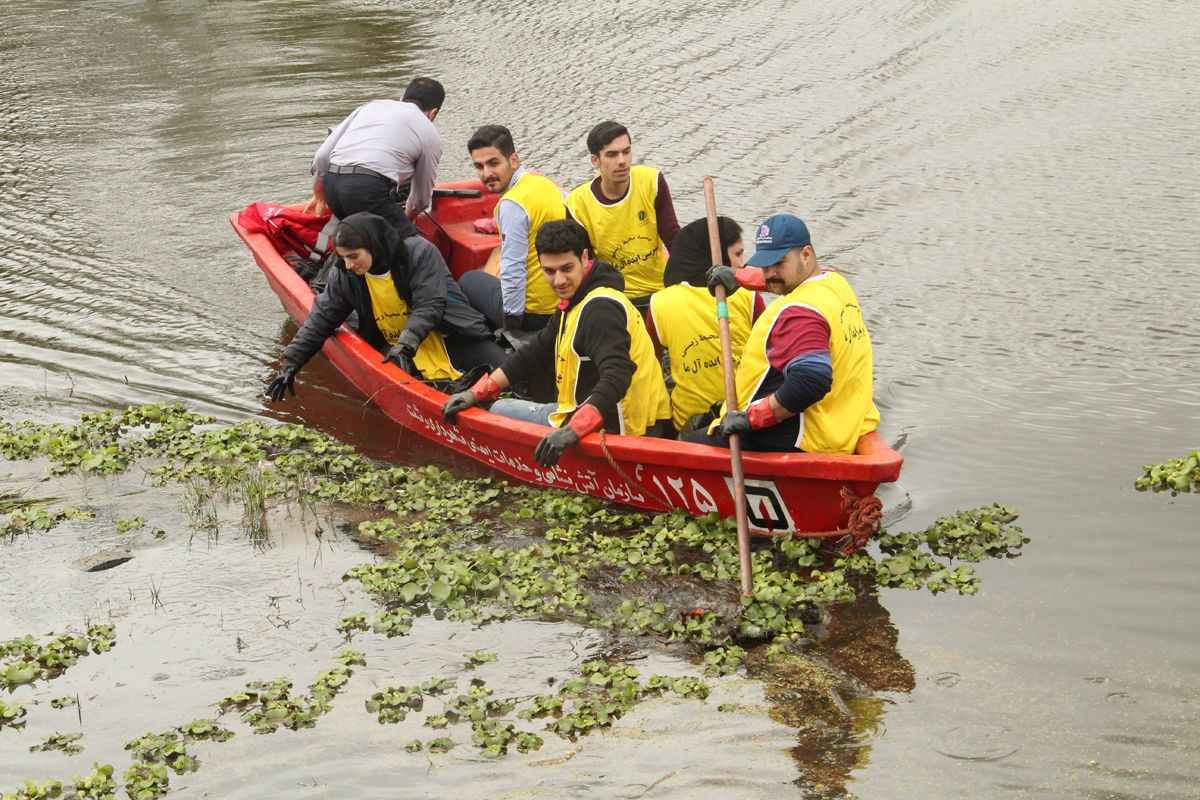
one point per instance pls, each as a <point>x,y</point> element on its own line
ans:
<point>805,380</point>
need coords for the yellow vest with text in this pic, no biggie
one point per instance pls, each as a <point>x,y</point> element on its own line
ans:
<point>834,423</point>
<point>542,202</point>
<point>645,402</point>
<point>625,234</point>
<point>685,319</point>
<point>391,315</point>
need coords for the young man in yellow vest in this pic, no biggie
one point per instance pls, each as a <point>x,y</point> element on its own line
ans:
<point>520,300</point>
<point>805,380</point>
<point>627,211</point>
<point>605,368</point>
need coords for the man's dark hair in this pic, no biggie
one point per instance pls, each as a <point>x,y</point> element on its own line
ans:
<point>427,93</point>
<point>496,136</point>
<point>603,134</point>
<point>562,236</point>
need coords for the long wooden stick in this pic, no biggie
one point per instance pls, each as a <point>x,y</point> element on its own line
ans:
<point>731,403</point>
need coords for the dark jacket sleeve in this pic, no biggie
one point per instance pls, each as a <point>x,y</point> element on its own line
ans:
<point>604,338</point>
<point>427,279</point>
<point>535,355</point>
<point>329,310</point>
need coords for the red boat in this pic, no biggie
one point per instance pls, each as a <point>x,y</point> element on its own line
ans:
<point>807,492</point>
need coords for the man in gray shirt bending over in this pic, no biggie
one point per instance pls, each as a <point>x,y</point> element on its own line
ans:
<point>383,159</point>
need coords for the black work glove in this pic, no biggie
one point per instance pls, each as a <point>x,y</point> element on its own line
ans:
<point>553,445</point>
<point>586,419</point>
<point>721,275</point>
<point>284,382</point>
<point>734,422</point>
<point>460,401</point>
<point>402,353</point>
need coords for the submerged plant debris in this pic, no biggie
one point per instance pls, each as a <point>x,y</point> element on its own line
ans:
<point>1174,476</point>
<point>484,551</point>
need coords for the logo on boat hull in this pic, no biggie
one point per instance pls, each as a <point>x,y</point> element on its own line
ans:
<point>765,509</point>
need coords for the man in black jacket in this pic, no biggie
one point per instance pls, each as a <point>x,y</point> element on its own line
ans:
<point>604,363</point>
<point>408,307</point>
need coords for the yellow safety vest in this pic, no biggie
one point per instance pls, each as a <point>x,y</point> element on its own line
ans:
<point>685,319</point>
<point>542,202</point>
<point>646,401</point>
<point>391,315</point>
<point>834,423</point>
<point>625,234</point>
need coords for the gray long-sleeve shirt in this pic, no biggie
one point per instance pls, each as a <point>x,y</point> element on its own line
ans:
<point>391,137</point>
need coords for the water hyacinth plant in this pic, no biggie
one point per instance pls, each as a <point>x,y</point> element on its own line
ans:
<point>483,552</point>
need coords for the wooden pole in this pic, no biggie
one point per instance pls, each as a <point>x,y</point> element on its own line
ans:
<point>731,403</point>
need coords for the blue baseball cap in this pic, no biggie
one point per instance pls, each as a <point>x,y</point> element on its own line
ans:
<point>775,237</point>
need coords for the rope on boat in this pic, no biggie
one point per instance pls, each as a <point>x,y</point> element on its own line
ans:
<point>612,462</point>
<point>866,513</point>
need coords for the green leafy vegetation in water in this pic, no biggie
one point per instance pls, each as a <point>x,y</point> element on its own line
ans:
<point>723,660</point>
<point>441,745</point>
<point>32,790</point>
<point>484,551</point>
<point>393,704</point>
<point>1174,476</point>
<point>607,692</point>
<point>12,715</point>
<point>24,660</point>
<point>64,702</point>
<point>66,742</point>
<point>479,657</point>
<point>125,525</point>
<point>96,784</point>
<point>270,706</point>
<point>37,516</point>
<point>157,754</point>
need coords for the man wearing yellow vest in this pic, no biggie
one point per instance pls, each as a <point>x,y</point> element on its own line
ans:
<point>605,369</point>
<point>520,300</point>
<point>805,380</point>
<point>627,211</point>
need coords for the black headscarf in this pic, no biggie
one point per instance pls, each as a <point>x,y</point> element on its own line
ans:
<point>691,257</point>
<point>381,240</point>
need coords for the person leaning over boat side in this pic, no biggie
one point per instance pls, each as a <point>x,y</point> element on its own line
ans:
<point>604,361</point>
<point>683,318</point>
<point>805,380</point>
<point>408,307</point>
<point>383,158</point>
<point>520,299</point>
<point>627,211</point>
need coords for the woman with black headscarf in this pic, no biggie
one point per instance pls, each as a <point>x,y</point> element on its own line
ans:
<point>683,318</point>
<point>409,308</point>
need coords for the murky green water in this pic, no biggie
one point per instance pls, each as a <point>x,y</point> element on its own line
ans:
<point>1012,188</point>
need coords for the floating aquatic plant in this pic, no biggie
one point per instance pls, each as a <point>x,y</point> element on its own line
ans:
<point>1174,476</point>
<point>484,551</point>
<point>26,660</point>
<point>12,715</point>
<point>66,742</point>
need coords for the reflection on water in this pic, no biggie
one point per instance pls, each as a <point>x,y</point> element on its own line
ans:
<point>1010,186</point>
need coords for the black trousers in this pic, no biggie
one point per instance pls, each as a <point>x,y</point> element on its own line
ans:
<point>349,194</point>
<point>466,354</point>
<point>483,293</point>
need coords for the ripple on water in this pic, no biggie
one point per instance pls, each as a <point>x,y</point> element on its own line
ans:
<point>984,742</point>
